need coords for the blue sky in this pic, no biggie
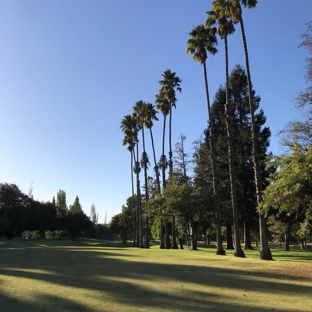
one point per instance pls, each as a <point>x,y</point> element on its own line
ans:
<point>71,69</point>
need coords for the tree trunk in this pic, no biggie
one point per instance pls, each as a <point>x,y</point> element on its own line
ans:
<point>193,242</point>
<point>170,145</point>
<point>141,223</point>
<point>146,193</point>
<point>156,168</point>
<point>133,211</point>
<point>287,237</point>
<point>162,245</point>
<point>137,172</point>
<point>163,156</point>
<point>181,243</point>
<point>220,250</point>
<point>167,240</point>
<point>265,253</point>
<point>247,236</point>
<point>174,240</point>
<point>229,239</point>
<point>228,114</point>
<point>208,240</point>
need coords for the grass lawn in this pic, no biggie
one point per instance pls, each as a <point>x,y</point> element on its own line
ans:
<point>94,275</point>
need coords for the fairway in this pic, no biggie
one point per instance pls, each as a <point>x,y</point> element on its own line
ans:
<point>90,275</point>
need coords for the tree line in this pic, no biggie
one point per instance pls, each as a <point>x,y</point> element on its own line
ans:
<point>22,216</point>
<point>232,171</point>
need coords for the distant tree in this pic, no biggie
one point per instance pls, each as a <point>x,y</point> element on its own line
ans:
<point>16,203</point>
<point>40,217</point>
<point>61,203</point>
<point>121,224</point>
<point>93,215</point>
<point>301,131</point>
<point>76,222</point>
<point>290,187</point>
<point>203,187</point>
<point>76,206</point>
<point>182,202</point>
<point>4,222</point>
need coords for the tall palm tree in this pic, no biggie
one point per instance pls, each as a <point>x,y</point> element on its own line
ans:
<point>129,128</point>
<point>233,9</point>
<point>224,28</point>
<point>265,253</point>
<point>150,116</point>
<point>204,40</point>
<point>169,85</point>
<point>137,120</point>
<point>140,110</point>
<point>163,106</point>
<point>128,141</point>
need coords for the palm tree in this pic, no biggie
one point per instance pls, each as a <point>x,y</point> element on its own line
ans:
<point>225,27</point>
<point>150,116</point>
<point>203,40</point>
<point>138,111</point>
<point>265,253</point>
<point>233,9</point>
<point>163,106</point>
<point>170,84</point>
<point>130,131</point>
<point>130,148</point>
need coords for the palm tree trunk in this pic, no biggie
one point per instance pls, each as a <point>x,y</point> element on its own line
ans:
<point>167,241</point>
<point>163,168</point>
<point>162,245</point>
<point>220,250</point>
<point>146,192</point>
<point>170,145</point>
<point>137,170</point>
<point>163,157</point>
<point>229,239</point>
<point>247,236</point>
<point>133,211</point>
<point>156,168</point>
<point>174,240</point>
<point>228,114</point>
<point>265,253</point>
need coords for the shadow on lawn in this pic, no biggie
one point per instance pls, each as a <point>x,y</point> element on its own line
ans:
<point>100,271</point>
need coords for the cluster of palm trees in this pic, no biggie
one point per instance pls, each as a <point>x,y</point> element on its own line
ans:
<point>142,117</point>
<point>203,40</point>
<point>221,20</point>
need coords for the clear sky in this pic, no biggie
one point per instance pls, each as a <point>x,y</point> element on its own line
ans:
<point>71,69</point>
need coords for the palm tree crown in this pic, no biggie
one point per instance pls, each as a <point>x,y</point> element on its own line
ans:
<point>202,40</point>
<point>170,84</point>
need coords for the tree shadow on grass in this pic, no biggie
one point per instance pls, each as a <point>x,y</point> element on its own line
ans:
<point>128,283</point>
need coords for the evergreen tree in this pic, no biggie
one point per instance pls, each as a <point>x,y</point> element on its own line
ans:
<point>76,206</point>
<point>93,215</point>
<point>239,101</point>
<point>61,205</point>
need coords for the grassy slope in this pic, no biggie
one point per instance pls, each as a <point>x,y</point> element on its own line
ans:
<point>97,276</point>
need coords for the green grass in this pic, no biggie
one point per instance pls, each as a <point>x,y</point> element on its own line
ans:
<point>91,275</point>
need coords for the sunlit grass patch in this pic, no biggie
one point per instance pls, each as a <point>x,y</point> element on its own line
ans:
<point>95,275</point>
